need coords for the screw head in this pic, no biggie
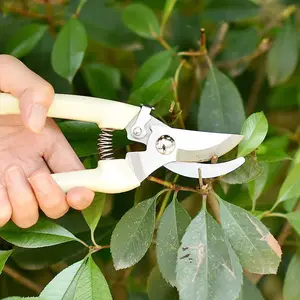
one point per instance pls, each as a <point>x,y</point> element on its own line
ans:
<point>165,145</point>
<point>137,131</point>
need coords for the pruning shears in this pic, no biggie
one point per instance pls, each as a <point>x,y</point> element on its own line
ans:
<point>181,151</point>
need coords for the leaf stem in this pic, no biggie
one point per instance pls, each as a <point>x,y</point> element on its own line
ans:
<point>163,206</point>
<point>175,89</point>
<point>270,214</point>
<point>164,43</point>
<point>83,243</point>
<point>79,8</point>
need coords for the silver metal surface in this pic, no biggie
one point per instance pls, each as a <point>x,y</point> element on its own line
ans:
<point>138,129</point>
<point>189,169</point>
<point>105,144</point>
<point>165,145</point>
<point>184,154</point>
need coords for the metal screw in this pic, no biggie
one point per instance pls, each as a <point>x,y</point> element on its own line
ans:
<point>165,145</point>
<point>137,131</point>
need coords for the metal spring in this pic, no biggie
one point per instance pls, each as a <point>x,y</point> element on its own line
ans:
<point>105,144</point>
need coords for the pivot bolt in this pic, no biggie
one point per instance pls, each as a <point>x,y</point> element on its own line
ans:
<point>137,131</point>
<point>165,145</point>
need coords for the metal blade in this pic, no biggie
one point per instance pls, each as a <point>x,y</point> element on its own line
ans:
<point>189,169</point>
<point>198,146</point>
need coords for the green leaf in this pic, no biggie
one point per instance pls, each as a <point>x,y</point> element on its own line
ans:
<point>79,130</point>
<point>43,234</point>
<point>169,6</point>
<point>103,81</point>
<point>133,234</point>
<point>250,291</point>
<point>231,10</point>
<point>25,39</point>
<point>271,155</point>
<point>290,187</point>
<point>171,229</point>
<point>221,106</point>
<point>294,219</point>
<point>159,95</point>
<point>254,130</point>
<point>158,288</point>
<point>142,20</point>
<point>69,49</point>
<point>283,56</point>
<point>92,284</point>
<point>22,298</point>
<point>256,186</point>
<point>93,213</point>
<point>291,287</point>
<point>4,255</point>
<point>206,259</point>
<point>245,173</point>
<point>63,285</point>
<point>257,249</point>
<point>153,69</point>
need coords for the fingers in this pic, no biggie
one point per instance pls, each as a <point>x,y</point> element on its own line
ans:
<point>5,207</point>
<point>80,198</point>
<point>51,199</point>
<point>62,158</point>
<point>34,93</point>
<point>24,206</point>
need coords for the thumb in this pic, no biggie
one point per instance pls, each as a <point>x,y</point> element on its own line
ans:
<point>34,93</point>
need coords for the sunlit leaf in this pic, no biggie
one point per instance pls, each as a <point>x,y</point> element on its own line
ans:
<point>291,287</point>
<point>158,288</point>
<point>93,213</point>
<point>290,187</point>
<point>142,20</point>
<point>4,255</point>
<point>221,105</point>
<point>159,95</point>
<point>171,229</point>
<point>245,173</point>
<point>169,6</point>
<point>257,249</point>
<point>43,234</point>
<point>25,39</point>
<point>92,284</point>
<point>63,285</point>
<point>256,186</point>
<point>103,81</point>
<point>283,56</point>
<point>254,131</point>
<point>250,291</point>
<point>133,234</point>
<point>69,49</point>
<point>153,69</point>
<point>206,259</point>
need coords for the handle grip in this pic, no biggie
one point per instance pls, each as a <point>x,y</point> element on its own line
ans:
<point>105,113</point>
<point>111,176</point>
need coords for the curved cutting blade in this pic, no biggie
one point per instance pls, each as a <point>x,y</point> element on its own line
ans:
<point>190,169</point>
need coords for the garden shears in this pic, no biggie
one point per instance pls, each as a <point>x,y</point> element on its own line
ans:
<point>181,151</point>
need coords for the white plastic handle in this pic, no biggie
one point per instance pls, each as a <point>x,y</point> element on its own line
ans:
<point>105,113</point>
<point>111,176</point>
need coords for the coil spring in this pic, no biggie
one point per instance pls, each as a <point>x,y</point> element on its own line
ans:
<point>105,144</point>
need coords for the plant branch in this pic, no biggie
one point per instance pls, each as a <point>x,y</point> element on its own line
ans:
<point>22,280</point>
<point>219,41</point>
<point>163,206</point>
<point>175,187</point>
<point>79,8</point>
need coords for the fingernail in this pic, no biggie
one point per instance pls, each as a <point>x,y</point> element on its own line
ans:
<point>15,175</point>
<point>37,117</point>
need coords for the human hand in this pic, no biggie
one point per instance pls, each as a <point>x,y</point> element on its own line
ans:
<point>32,146</point>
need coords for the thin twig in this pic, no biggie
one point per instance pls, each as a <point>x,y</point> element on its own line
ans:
<point>257,85</point>
<point>219,41</point>
<point>22,280</point>
<point>173,186</point>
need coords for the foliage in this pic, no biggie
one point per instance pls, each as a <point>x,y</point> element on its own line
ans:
<point>219,66</point>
